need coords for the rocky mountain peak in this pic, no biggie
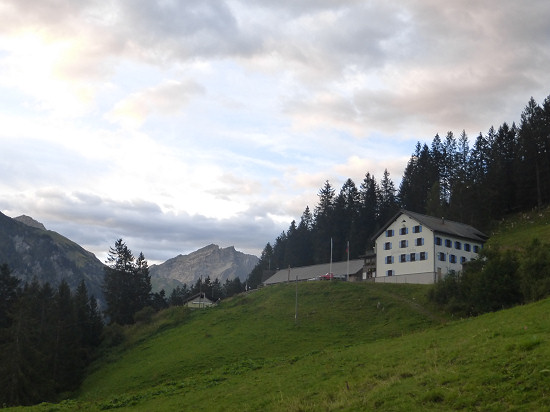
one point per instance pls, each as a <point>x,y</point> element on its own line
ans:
<point>211,260</point>
<point>29,221</point>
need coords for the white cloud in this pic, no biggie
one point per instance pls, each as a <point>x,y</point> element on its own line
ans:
<point>166,99</point>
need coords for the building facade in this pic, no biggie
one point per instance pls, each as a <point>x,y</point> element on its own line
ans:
<point>416,248</point>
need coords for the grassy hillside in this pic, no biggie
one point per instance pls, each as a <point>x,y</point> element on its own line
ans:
<point>518,231</point>
<point>353,347</point>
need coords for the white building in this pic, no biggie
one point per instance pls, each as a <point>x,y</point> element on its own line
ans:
<point>415,248</point>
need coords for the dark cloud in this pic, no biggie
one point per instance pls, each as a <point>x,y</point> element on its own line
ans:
<point>182,30</point>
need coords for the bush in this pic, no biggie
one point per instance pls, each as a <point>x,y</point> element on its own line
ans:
<point>113,335</point>
<point>145,315</point>
<point>488,283</point>
<point>535,271</point>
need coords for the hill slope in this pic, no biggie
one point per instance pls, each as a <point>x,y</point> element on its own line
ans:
<point>31,250</point>
<point>354,347</point>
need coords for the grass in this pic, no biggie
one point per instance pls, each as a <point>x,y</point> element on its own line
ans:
<point>518,231</point>
<point>354,347</point>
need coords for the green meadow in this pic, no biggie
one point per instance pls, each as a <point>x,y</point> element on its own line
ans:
<point>347,347</point>
<point>351,347</point>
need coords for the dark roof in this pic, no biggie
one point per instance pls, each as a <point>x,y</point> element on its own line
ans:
<point>309,272</point>
<point>201,295</point>
<point>440,225</point>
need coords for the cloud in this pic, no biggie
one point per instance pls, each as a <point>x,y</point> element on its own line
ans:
<point>168,98</point>
<point>175,124</point>
<point>96,222</point>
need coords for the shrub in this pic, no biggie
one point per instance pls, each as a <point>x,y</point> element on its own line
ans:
<point>534,271</point>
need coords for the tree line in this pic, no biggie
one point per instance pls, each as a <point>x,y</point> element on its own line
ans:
<point>213,290</point>
<point>503,171</point>
<point>127,287</point>
<point>47,337</point>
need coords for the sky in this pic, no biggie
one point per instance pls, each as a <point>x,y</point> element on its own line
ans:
<point>177,124</point>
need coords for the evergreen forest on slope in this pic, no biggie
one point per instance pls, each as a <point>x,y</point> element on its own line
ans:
<point>477,181</point>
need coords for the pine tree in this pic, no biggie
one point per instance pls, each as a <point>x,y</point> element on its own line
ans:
<point>418,178</point>
<point>126,285</point>
<point>460,195</point>
<point>292,253</point>
<point>304,236</point>
<point>346,207</point>
<point>324,223</point>
<point>8,294</point>
<point>67,364</point>
<point>388,200</point>
<point>532,155</point>
<point>369,202</point>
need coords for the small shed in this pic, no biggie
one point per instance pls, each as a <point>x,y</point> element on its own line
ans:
<point>198,301</point>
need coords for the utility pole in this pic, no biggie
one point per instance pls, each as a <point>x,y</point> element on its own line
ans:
<point>330,266</point>
<point>296,307</point>
<point>347,271</point>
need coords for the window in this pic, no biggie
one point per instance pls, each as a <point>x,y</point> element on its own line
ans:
<point>448,243</point>
<point>458,245</point>
<point>403,258</point>
<point>438,241</point>
<point>389,233</point>
<point>417,229</point>
<point>452,258</point>
<point>387,246</point>
<point>403,231</point>
<point>476,249</point>
<point>462,260</point>
<point>389,260</point>
<point>467,247</point>
<point>423,256</point>
<point>441,257</point>
<point>404,243</point>
<point>419,241</point>
<point>389,273</point>
<point>413,257</point>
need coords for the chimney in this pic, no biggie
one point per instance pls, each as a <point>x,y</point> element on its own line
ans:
<point>442,220</point>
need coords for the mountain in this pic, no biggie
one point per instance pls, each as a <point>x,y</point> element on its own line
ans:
<point>211,260</point>
<point>30,250</point>
<point>29,221</point>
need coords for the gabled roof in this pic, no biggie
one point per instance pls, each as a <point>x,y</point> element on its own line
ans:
<point>309,272</point>
<point>201,296</point>
<point>439,225</point>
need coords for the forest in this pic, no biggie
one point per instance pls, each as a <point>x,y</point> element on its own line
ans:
<point>475,181</point>
<point>47,337</point>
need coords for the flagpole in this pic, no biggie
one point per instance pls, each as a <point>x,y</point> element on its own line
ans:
<point>330,266</point>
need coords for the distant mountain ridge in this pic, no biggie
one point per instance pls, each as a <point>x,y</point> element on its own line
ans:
<point>30,250</point>
<point>211,260</point>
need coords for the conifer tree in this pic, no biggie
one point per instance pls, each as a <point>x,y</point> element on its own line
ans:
<point>324,223</point>
<point>369,203</point>
<point>126,285</point>
<point>388,200</point>
<point>8,294</point>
